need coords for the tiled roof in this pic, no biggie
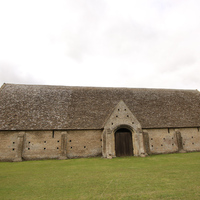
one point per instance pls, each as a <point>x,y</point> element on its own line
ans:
<point>35,107</point>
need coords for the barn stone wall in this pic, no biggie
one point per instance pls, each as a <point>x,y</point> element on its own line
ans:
<point>162,141</point>
<point>84,143</point>
<point>8,145</point>
<point>41,145</point>
<point>34,145</point>
<point>172,140</point>
<point>191,139</point>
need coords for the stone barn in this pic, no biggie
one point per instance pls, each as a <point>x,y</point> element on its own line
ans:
<point>59,122</point>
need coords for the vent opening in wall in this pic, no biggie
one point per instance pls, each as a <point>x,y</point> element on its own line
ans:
<point>13,149</point>
<point>70,141</point>
<point>84,147</point>
<point>57,147</point>
<point>58,141</point>
<point>44,148</point>
<point>28,148</point>
<point>13,142</point>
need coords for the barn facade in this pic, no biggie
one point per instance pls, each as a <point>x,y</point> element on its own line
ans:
<point>60,122</point>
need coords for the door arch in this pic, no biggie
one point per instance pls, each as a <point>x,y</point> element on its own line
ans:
<point>123,142</point>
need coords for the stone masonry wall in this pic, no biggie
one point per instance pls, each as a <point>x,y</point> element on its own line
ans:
<point>191,139</point>
<point>35,145</point>
<point>162,141</point>
<point>8,145</point>
<point>41,145</point>
<point>84,143</point>
<point>166,140</point>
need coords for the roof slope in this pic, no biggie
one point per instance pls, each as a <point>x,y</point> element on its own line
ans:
<point>29,107</point>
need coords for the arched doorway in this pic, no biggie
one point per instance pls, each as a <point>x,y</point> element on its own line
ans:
<point>123,142</point>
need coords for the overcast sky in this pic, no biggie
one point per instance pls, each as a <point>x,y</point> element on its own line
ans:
<point>111,43</point>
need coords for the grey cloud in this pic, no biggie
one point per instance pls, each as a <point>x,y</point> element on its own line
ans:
<point>11,74</point>
<point>178,64</point>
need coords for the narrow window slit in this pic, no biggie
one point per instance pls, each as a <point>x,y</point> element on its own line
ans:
<point>52,134</point>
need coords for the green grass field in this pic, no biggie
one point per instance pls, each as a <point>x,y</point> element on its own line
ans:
<point>170,176</point>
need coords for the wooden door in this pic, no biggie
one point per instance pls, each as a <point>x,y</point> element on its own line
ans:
<point>123,143</point>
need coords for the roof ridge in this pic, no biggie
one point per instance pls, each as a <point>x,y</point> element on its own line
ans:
<point>3,86</point>
<point>98,87</point>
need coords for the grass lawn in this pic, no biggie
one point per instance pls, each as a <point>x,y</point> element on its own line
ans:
<point>170,176</point>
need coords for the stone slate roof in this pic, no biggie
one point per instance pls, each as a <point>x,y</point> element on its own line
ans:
<point>34,107</point>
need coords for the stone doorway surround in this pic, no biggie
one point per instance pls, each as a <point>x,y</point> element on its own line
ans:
<point>122,118</point>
